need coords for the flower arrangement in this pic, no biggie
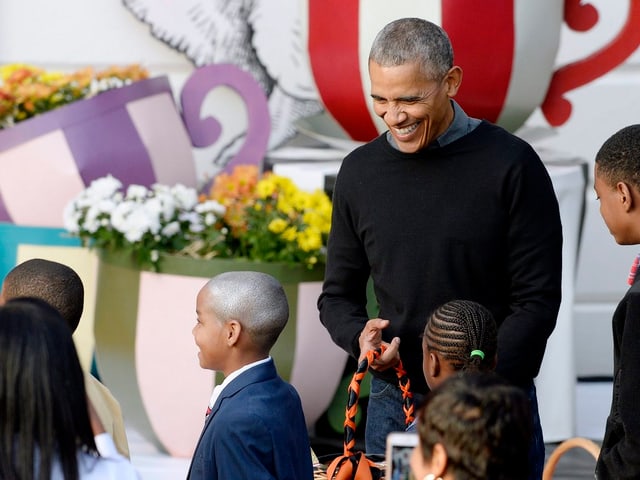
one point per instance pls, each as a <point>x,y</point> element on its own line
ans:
<point>243,215</point>
<point>27,91</point>
<point>270,218</point>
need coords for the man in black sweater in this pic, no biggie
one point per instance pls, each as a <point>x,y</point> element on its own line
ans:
<point>440,207</point>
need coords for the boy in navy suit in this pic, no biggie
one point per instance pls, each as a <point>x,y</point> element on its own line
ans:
<point>255,426</point>
<point>617,186</point>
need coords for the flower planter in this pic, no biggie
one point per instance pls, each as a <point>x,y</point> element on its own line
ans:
<point>147,356</point>
<point>134,132</point>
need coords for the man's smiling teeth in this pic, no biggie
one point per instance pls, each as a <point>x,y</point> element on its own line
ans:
<point>406,130</point>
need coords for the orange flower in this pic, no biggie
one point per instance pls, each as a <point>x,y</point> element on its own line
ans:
<point>132,72</point>
<point>23,75</point>
<point>26,91</point>
<point>235,191</point>
<point>238,186</point>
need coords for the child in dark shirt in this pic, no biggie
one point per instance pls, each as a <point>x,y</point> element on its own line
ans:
<point>617,186</point>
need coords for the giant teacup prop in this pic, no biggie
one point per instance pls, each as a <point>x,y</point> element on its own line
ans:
<point>135,133</point>
<point>506,48</point>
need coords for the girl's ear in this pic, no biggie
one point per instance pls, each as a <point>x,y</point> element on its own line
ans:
<point>439,460</point>
<point>434,365</point>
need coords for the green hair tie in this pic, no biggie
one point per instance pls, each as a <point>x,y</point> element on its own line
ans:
<point>478,353</point>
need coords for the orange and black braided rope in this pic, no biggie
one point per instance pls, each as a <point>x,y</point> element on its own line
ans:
<point>353,394</point>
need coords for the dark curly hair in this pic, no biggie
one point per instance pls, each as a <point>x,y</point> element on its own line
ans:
<point>618,159</point>
<point>483,423</point>
<point>55,283</point>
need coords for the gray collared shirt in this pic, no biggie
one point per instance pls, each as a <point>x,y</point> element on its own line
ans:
<point>460,126</point>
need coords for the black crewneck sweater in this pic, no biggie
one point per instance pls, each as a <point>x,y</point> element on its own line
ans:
<point>476,219</point>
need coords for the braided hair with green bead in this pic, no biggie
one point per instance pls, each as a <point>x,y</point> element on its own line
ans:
<point>465,334</point>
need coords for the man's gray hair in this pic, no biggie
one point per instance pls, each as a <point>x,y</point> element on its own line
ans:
<point>409,40</point>
<point>256,300</point>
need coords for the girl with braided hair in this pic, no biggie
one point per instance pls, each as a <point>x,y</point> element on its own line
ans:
<point>460,335</point>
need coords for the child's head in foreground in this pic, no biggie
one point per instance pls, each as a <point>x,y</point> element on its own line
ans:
<point>473,426</point>
<point>42,396</point>
<point>617,184</point>
<point>239,318</point>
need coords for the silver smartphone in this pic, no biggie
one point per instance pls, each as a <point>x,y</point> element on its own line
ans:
<point>398,455</point>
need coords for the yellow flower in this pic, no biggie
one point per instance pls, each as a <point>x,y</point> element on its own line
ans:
<point>316,220</point>
<point>28,91</point>
<point>278,225</point>
<point>284,205</point>
<point>52,77</point>
<point>309,239</point>
<point>290,234</point>
<point>266,187</point>
<point>270,218</point>
<point>8,71</point>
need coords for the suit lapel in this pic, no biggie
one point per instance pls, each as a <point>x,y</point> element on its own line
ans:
<point>259,373</point>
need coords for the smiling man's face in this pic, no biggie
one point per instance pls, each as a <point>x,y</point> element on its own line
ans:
<point>415,107</point>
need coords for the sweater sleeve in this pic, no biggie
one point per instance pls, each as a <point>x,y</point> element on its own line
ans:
<point>342,303</point>
<point>620,455</point>
<point>534,240</point>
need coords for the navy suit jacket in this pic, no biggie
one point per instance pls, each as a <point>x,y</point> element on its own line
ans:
<point>256,430</point>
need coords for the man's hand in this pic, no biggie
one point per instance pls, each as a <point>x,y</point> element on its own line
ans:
<point>371,338</point>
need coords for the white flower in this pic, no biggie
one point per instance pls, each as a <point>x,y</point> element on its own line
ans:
<point>136,192</point>
<point>137,223</point>
<point>154,209</point>
<point>71,218</point>
<point>92,219</point>
<point>187,198</point>
<point>103,187</point>
<point>210,219</point>
<point>120,214</point>
<point>211,206</point>
<point>106,206</point>
<point>196,227</point>
<point>167,205</point>
<point>171,229</point>
<point>194,219</point>
<point>145,220</point>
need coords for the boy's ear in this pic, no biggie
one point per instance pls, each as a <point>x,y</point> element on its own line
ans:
<point>626,193</point>
<point>234,329</point>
